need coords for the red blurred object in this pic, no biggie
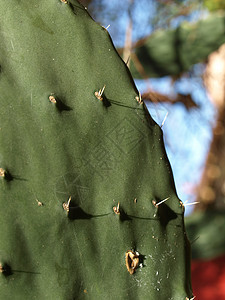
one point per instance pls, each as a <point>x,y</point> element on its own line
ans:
<point>208,278</point>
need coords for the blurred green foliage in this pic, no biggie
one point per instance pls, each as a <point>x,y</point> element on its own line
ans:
<point>206,232</point>
<point>173,51</point>
<point>213,5</point>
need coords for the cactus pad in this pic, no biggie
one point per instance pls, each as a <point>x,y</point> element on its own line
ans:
<point>83,167</point>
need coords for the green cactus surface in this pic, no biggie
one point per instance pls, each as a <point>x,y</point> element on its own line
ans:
<point>83,169</point>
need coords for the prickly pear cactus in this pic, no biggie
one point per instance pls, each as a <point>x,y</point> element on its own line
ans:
<point>83,170</point>
<point>174,51</point>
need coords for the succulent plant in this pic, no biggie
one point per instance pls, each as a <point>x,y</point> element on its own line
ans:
<point>174,51</point>
<point>88,203</point>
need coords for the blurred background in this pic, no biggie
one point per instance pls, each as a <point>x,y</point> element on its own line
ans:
<point>175,50</point>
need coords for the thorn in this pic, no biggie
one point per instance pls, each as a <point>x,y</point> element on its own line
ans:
<point>154,202</point>
<point>157,204</point>
<point>12,45</point>
<point>106,28</point>
<point>39,203</point>
<point>139,98</point>
<point>182,205</point>
<point>192,203</point>
<point>116,209</point>
<point>2,172</point>
<point>98,94</point>
<point>1,269</point>
<point>66,206</point>
<point>101,91</point>
<point>127,62</point>
<point>52,99</point>
<point>31,98</point>
<point>164,120</point>
<point>192,242</point>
